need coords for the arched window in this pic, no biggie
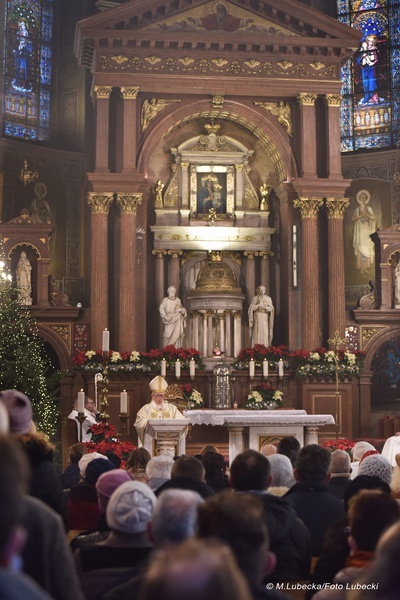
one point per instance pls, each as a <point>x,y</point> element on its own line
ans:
<point>27,69</point>
<point>371,79</point>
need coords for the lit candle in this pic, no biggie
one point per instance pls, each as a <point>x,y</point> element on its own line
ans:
<point>265,368</point>
<point>280,368</point>
<point>178,369</point>
<point>81,401</point>
<point>163,368</point>
<point>106,341</point>
<point>123,402</point>
<point>192,368</point>
<point>251,368</point>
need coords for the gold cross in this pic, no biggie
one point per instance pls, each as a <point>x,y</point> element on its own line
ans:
<point>336,341</point>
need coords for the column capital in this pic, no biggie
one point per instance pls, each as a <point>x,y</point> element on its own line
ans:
<point>185,166</point>
<point>102,92</point>
<point>250,255</point>
<point>128,203</point>
<point>100,202</point>
<point>129,93</point>
<point>159,253</point>
<point>308,207</point>
<point>333,100</point>
<point>336,207</point>
<point>175,253</point>
<point>305,99</point>
<point>264,254</point>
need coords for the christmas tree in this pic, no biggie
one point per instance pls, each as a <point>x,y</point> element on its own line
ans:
<point>23,364</point>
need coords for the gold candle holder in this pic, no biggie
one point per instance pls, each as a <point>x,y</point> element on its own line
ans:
<point>124,423</point>
<point>80,418</point>
<point>104,416</point>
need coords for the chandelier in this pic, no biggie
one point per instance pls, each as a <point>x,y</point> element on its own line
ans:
<point>5,275</point>
<point>26,175</point>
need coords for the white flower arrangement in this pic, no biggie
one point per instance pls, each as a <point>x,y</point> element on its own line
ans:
<point>134,356</point>
<point>195,400</point>
<point>264,397</point>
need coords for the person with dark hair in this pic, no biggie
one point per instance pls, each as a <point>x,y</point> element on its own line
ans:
<point>215,467</point>
<point>289,446</point>
<point>290,540</point>
<point>314,505</point>
<point>187,473</point>
<point>370,513</point>
<point>71,475</point>
<point>137,462</point>
<point>238,520</point>
<point>336,549</point>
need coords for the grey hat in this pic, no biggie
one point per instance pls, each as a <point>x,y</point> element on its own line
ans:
<point>130,507</point>
<point>376,465</point>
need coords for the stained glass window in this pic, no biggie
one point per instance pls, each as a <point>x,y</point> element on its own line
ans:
<point>27,69</point>
<point>371,79</point>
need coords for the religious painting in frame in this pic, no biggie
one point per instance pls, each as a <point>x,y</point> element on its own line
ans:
<point>212,189</point>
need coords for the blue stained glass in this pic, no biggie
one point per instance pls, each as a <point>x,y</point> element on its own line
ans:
<point>343,6</point>
<point>27,68</point>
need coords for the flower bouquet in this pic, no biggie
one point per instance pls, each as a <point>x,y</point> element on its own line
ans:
<point>264,397</point>
<point>340,444</point>
<point>323,363</point>
<point>104,440</point>
<point>259,353</point>
<point>193,397</point>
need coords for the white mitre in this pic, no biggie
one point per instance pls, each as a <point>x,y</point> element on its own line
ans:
<point>158,384</point>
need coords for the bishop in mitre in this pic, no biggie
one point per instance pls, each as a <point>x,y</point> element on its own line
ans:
<point>157,408</point>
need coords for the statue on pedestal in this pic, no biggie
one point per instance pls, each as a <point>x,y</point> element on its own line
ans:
<point>396,284</point>
<point>261,318</point>
<point>23,272</point>
<point>173,315</point>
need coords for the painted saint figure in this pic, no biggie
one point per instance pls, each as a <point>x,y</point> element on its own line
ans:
<point>23,272</point>
<point>261,318</point>
<point>368,60</point>
<point>173,316</point>
<point>396,284</point>
<point>22,57</point>
<point>364,224</point>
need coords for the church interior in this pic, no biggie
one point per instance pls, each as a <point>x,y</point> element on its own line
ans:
<point>215,148</point>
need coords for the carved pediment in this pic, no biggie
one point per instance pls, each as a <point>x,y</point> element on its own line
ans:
<point>156,24</point>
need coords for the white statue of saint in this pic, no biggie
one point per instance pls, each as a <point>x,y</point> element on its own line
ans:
<point>24,284</point>
<point>173,315</point>
<point>261,318</point>
<point>396,284</point>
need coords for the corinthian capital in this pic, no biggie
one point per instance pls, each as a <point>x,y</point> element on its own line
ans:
<point>333,100</point>
<point>336,207</point>
<point>128,203</point>
<point>102,91</point>
<point>308,207</point>
<point>100,202</point>
<point>129,93</point>
<point>306,99</point>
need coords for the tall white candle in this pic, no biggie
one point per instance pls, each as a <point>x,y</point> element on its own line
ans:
<point>81,401</point>
<point>106,341</point>
<point>265,368</point>
<point>280,368</point>
<point>123,402</point>
<point>252,367</point>
<point>178,369</point>
<point>163,368</point>
<point>192,368</point>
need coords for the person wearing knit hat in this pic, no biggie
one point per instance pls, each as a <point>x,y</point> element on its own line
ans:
<point>359,449</point>
<point>19,410</point>
<point>86,459</point>
<point>377,465</point>
<point>97,467</point>
<point>108,563</point>
<point>281,473</point>
<point>157,408</point>
<point>107,483</point>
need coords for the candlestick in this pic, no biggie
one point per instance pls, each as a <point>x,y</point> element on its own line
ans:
<point>252,368</point>
<point>123,402</point>
<point>81,401</point>
<point>163,368</point>
<point>106,341</point>
<point>192,368</point>
<point>178,368</point>
<point>265,368</point>
<point>280,368</point>
<point>124,420</point>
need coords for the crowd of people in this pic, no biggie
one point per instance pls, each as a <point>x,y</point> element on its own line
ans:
<point>282,523</point>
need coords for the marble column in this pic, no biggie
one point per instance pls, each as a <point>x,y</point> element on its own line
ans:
<point>100,206</point>
<point>228,333</point>
<point>336,297</point>
<point>250,276</point>
<point>128,204</point>
<point>195,335</point>
<point>334,164</point>
<point>308,137</point>
<point>210,332</point>
<point>309,208</point>
<point>221,331</point>
<point>173,275</point>
<point>102,127</point>
<point>204,348</point>
<point>160,287</point>
<point>237,332</point>
<point>264,270</point>
<point>130,136</point>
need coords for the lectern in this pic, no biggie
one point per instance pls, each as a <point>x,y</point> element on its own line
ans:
<point>166,436</point>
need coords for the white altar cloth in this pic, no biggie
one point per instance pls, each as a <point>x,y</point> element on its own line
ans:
<point>247,427</point>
